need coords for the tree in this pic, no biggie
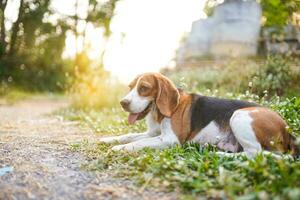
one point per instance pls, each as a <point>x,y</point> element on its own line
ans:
<point>31,51</point>
<point>15,29</point>
<point>100,15</point>
<point>279,12</point>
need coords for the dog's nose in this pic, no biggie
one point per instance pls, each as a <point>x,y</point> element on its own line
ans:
<point>125,104</point>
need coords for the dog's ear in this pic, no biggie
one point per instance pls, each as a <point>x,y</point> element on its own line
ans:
<point>168,96</point>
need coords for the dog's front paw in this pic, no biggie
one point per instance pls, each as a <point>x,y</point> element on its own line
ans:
<point>125,147</point>
<point>118,148</point>
<point>108,140</point>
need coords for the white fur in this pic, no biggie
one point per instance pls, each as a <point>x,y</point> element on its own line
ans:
<point>153,130</point>
<point>210,134</point>
<point>137,103</point>
<point>240,123</point>
<point>167,138</point>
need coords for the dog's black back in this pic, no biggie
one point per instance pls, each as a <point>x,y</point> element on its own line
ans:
<point>206,109</point>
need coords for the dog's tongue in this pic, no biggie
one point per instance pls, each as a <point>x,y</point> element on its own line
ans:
<point>132,117</point>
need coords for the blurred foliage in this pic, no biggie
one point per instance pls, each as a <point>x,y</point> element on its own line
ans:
<point>31,50</point>
<point>209,7</point>
<point>279,12</point>
<point>277,75</point>
<point>13,95</point>
<point>104,14</point>
<point>108,121</point>
<point>93,89</point>
<point>289,109</point>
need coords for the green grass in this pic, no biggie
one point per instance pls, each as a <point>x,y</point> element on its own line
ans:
<point>12,96</point>
<point>196,170</point>
<point>107,121</point>
<point>15,95</point>
<point>192,169</point>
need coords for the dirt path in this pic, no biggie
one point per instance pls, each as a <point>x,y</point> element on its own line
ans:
<point>36,145</point>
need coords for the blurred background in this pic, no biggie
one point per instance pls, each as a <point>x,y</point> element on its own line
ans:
<point>90,49</point>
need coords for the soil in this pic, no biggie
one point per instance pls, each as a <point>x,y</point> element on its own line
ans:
<point>36,144</point>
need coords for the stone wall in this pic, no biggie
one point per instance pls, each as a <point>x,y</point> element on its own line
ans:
<point>232,30</point>
<point>287,42</point>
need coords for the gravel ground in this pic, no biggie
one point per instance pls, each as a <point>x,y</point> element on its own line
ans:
<point>36,145</point>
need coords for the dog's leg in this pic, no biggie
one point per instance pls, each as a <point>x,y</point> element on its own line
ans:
<point>153,130</point>
<point>240,124</point>
<point>166,139</point>
<point>241,127</point>
<point>123,139</point>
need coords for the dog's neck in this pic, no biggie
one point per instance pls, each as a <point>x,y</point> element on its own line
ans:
<point>156,114</point>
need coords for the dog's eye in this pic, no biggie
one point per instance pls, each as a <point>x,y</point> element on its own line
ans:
<point>143,89</point>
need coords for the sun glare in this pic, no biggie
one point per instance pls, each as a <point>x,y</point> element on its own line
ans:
<point>145,34</point>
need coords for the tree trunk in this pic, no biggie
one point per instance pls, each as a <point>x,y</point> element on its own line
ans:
<point>102,55</point>
<point>85,26</point>
<point>3,43</point>
<point>76,28</point>
<point>15,29</point>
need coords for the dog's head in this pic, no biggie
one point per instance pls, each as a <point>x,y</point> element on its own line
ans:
<point>147,90</point>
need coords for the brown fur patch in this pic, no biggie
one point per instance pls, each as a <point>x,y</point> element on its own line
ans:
<point>181,119</point>
<point>270,129</point>
<point>148,80</point>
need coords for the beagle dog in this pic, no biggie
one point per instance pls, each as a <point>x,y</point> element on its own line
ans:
<point>176,117</point>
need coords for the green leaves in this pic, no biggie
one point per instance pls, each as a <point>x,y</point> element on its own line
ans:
<point>289,108</point>
<point>279,12</point>
<point>273,76</point>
